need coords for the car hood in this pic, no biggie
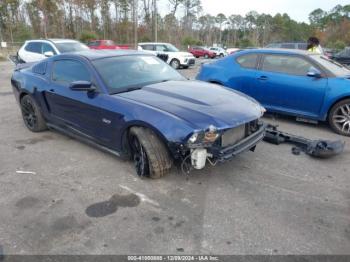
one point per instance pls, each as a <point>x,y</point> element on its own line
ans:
<point>200,104</point>
<point>182,54</point>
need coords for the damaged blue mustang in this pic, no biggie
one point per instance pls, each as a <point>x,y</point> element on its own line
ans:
<point>134,105</point>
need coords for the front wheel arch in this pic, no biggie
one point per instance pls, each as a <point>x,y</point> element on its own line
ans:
<point>333,104</point>
<point>336,125</point>
<point>126,132</point>
<point>151,155</point>
<point>175,60</point>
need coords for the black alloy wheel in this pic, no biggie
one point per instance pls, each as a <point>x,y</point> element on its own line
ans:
<point>139,157</point>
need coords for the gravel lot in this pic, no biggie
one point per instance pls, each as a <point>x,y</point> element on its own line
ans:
<point>266,202</point>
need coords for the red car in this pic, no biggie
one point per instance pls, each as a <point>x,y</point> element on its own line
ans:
<point>201,52</point>
<point>105,44</point>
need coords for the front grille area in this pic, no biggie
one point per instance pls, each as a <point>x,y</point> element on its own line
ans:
<point>191,61</point>
<point>235,135</point>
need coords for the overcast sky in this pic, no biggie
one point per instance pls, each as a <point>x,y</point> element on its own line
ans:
<point>299,10</point>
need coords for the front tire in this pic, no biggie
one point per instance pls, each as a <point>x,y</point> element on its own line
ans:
<point>151,157</point>
<point>32,116</point>
<point>175,64</point>
<point>339,117</point>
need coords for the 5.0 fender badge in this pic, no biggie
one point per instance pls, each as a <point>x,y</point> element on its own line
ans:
<point>106,121</point>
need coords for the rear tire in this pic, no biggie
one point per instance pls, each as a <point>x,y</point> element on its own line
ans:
<point>151,157</point>
<point>339,117</point>
<point>32,116</point>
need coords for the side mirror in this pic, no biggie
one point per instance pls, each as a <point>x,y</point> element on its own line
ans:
<point>313,72</point>
<point>49,54</point>
<point>82,86</point>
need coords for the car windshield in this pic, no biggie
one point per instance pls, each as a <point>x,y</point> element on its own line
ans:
<point>127,73</point>
<point>109,43</point>
<point>336,68</point>
<point>171,48</point>
<point>71,47</point>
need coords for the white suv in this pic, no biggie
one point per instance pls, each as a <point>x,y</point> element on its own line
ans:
<point>36,50</point>
<point>175,58</point>
<point>220,52</point>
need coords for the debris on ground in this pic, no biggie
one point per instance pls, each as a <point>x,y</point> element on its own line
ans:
<point>315,148</point>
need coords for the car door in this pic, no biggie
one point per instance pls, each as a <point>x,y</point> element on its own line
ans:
<point>283,84</point>
<point>32,52</point>
<point>243,77</point>
<point>79,111</point>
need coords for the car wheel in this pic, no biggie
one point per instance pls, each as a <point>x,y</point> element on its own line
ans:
<point>32,116</point>
<point>150,156</point>
<point>339,117</point>
<point>221,55</point>
<point>206,56</point>
<point>175,64</point>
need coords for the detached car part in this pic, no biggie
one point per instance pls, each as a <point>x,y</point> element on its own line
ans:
<point>314,148</point>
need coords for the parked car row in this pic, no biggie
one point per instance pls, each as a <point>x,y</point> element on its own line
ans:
<point>132,104</point>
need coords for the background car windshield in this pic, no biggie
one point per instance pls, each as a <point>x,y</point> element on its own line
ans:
<point>120,73</point>
<point>336,68</point>
<point>171,48</point>
<point>71,47</point>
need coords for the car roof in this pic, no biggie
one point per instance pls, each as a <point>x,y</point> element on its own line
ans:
<point>153,43</point>
<point>278,51</point>
<point>54,40</point>
<point>57,40</point>
<point>100,54</point>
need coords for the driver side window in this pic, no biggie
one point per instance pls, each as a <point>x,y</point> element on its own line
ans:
<point>68,71</point>
<point>161,48</point>
<point>291,65</point>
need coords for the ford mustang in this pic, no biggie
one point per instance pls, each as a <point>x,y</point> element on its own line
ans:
<point>298,83</point>
<point>134,105</point>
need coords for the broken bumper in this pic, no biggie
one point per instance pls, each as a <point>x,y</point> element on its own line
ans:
<point>248,143</point>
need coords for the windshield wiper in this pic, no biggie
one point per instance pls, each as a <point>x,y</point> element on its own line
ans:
<point>127,89</point>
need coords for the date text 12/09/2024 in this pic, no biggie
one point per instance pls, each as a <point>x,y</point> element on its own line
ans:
<point>173,258</point>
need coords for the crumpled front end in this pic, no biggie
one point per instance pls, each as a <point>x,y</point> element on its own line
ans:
<point>220,145</point>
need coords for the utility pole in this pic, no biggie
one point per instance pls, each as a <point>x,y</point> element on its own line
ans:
<point>135,15</point>
<point>155,17</point>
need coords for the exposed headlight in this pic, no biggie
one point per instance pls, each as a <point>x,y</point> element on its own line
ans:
<point>193,139</point>
<point>208,136</point>
<point>211,135</point>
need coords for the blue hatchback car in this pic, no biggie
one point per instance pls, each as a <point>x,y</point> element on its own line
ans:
<point>133,104</point>
<point>292,82</point>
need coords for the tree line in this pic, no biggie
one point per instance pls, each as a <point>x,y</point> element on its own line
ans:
<point>130,21</point>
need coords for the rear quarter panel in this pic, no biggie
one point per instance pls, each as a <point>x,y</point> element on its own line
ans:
<point>25,82</point>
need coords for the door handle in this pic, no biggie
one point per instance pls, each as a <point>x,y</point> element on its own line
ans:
<point>263,78</point>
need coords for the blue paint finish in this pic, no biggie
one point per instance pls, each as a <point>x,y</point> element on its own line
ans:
<point>173,109</point>
<point>295,95</point>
